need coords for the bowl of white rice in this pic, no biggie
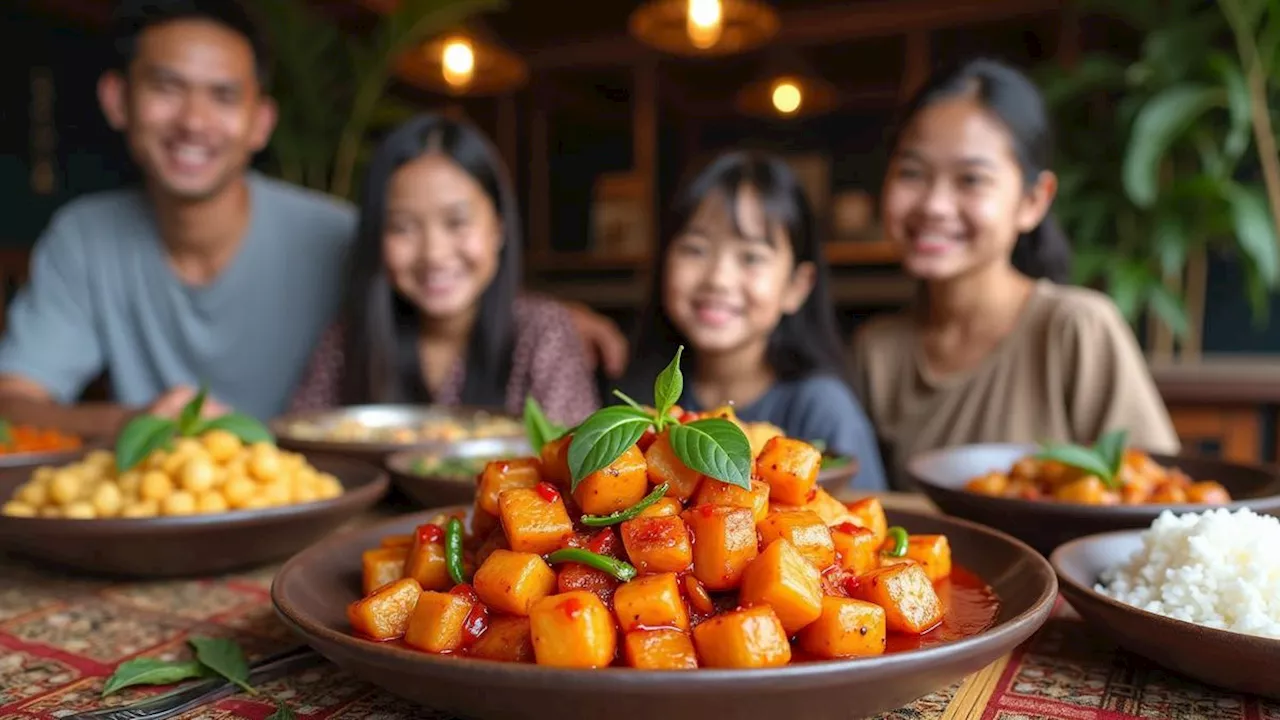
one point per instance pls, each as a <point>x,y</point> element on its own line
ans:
<point>1198,593</point>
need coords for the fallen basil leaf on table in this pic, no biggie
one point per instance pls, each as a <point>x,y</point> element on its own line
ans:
<point>152,671</point>
<point>282,712</point>
<point>224,657</point>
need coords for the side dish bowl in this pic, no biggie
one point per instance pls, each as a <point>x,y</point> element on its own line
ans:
<point>313,589</point>
<point>1229,660</point>
<point>325,431</point>
<point>193,545</point>
<point>429,488</point>
<point>1046,524</point>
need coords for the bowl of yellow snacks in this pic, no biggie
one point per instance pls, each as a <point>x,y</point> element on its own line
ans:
<point>181,497</point>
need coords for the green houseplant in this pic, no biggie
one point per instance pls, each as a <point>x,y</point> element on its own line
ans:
<point>331,84</point>
<point>1170,155</point>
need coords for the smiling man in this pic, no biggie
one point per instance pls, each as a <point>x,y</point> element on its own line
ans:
<point>208,273</point>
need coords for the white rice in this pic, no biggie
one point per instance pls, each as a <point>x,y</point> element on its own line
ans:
<point>1218,569</point>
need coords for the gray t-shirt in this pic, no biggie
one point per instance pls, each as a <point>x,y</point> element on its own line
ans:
<point>103,296</point>
<point>820,407</point>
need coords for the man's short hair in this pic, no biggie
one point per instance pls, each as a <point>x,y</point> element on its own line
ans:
<point>132,17</point>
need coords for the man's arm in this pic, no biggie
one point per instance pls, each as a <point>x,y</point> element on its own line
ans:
<point>25,401</point>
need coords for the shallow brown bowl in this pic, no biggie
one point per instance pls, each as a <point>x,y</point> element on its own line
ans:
<point>195,545</point>
<point>1230,660</point>
<point>1044,524</point>
<point>435,490</point>
<point>286,429</point>
<point>312,590</point>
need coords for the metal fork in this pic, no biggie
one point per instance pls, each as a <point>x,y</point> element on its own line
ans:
<point>179,701</point>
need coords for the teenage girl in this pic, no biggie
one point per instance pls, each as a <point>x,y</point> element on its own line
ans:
<point>433,313</point>
<point>741,283</point>
<point>996,349</point>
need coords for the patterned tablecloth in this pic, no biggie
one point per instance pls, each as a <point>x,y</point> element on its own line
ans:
<point>60,637</point>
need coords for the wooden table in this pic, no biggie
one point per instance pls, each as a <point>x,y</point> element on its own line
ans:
<point>61,636</point>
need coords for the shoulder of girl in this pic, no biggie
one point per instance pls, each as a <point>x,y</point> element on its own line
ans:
<point>1083,311</point>
<point>822,391</point>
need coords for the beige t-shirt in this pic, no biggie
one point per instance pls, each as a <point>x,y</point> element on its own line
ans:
<point>1069,371</point>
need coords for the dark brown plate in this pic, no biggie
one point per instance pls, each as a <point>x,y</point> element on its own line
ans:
<point>194,545</point>
<point>312,590</point>
<point>1046,524</point>
<point>436,490</point>
<point>289,435</point>
<point>1230,660</point>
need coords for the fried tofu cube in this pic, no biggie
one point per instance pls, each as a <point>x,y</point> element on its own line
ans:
<point>713,492</point>
<point>572,630</point>
<point>751,638</point>
<point>791,468</point>
<point>846,628</point>
<point>659,650</point>
<point>665,507</point>
<point>555,461</point>
<point>724,543</point>
<point>665,467</point>
<point>933,552</point>
<point>384,613</point>
<point>832,511</point>
<point>438,622</point>
<point>617,486</point>
<point>657,545</point>
<point>910,603</point>
<point>506,640</point>
<point>857,549</point>
<point>511,582</point>
<point>786,581</point>
<point>803,529</point>
<point>532,523</point>
<point>425,561</point>
<point>381,566</point>
<point>650,602</point>
<point>869,513</point>
<point>500,475</point>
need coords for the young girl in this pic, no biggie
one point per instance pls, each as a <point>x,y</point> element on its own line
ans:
<point>433,313</point>
<point>740,282</point>
<point>996,350</point>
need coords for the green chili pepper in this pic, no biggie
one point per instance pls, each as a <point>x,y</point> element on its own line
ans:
<point>628,513</point>
<point>618,569</point>
<point>453,551</point>
<point>899,535</point>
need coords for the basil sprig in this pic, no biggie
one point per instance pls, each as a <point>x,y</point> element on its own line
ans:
<point>145,434</point>
<point>714,447</point>
<point>537,428</point>
<point>1103,459</point>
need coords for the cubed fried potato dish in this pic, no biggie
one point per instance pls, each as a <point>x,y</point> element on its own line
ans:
<point>652,563</point>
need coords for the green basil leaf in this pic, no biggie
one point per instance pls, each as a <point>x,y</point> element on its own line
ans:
<point>247,428</point>
<point>6,431</point>
<point>714,447</point>
<point>669,386</point>
<point>603,437</point>
<point>282,712</point>
<point>189,419</point>
<point>224,657</point>
<point>538,429</point>
<point>142,436</point>
<point>1077,457</point>
<point>151,671</point>
<point>1110,447</point>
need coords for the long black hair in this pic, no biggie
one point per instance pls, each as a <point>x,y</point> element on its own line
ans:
<point>1014,99</point>
<point>381,328</point>
<point>805,342</point>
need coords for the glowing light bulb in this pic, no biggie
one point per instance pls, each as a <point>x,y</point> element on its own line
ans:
<point>786,97</point>
<point>705,22</point>
<point>458,61</point>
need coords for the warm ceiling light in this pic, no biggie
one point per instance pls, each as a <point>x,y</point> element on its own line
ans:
<point>786,96</point>
<point>458,62</point>
<point>704,27</point>
<point>705,22</point>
